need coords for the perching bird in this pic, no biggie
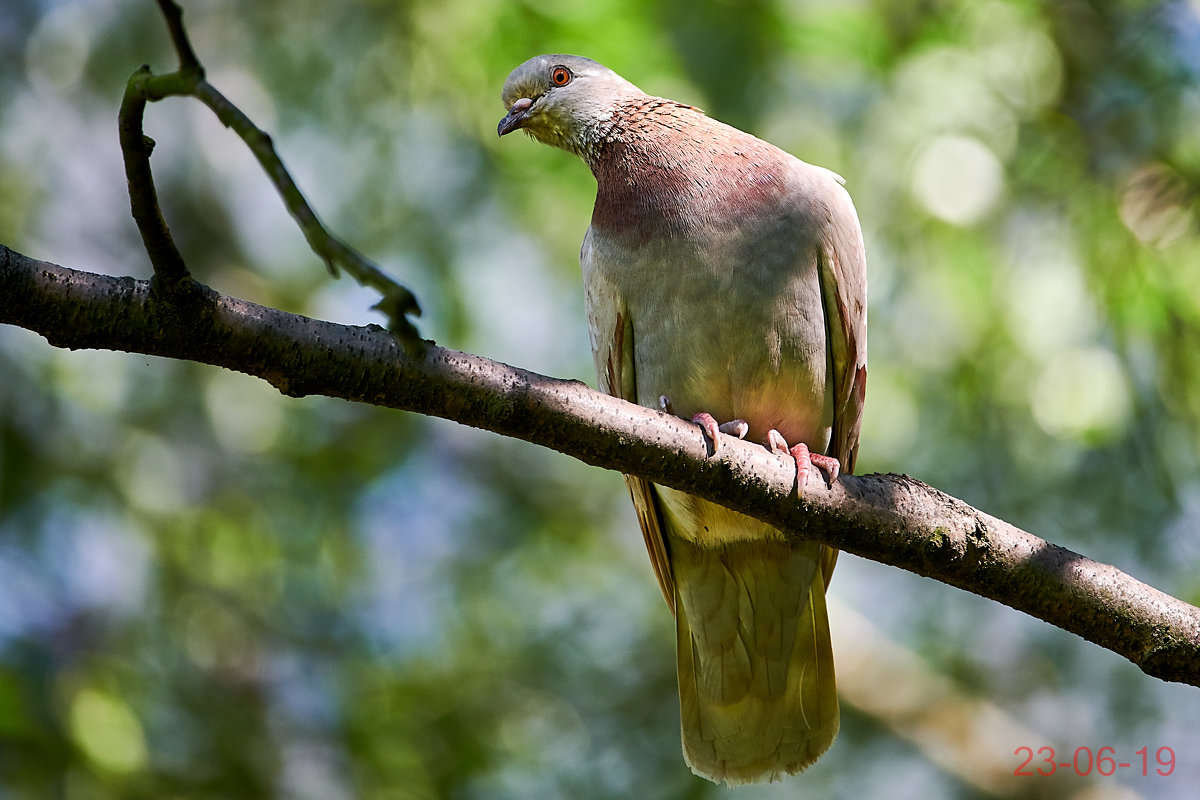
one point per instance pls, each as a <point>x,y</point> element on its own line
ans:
<point>724,280</point>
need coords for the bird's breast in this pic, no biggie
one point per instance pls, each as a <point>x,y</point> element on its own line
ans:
<point>722,321</point>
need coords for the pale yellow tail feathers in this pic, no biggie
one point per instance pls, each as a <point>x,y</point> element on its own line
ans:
<point>758,697</point>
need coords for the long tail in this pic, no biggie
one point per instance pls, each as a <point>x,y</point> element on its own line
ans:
<point>757,694</point>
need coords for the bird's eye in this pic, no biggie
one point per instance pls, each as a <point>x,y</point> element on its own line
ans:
<point>560,76</point>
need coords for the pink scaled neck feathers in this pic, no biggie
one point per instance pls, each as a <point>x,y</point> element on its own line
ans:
<point>664,165</point>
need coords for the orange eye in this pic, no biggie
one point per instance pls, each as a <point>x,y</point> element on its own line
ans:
<point>560,76</point>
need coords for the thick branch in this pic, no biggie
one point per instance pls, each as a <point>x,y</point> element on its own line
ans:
<point>893,519</point>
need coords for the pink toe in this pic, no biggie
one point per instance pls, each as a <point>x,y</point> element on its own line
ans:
<point>803,463</point>
<point>709,426</point>
<point>804,459</point>
<point>828,463</point>
<point>736,427</point>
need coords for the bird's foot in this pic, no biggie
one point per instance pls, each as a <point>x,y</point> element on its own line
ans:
<point>804,459</point>
<point>708,424</point>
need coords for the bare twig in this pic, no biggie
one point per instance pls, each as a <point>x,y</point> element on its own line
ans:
<point>892,519</point>
<point>173,14</point>
<point>171,277</point>
<point>171,274</point>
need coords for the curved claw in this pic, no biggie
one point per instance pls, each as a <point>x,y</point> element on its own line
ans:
<point>828,463</point>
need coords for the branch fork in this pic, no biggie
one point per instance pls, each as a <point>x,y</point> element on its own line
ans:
<point>172,281</point>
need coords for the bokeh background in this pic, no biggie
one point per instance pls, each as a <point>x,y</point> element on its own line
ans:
<point>208,590</point>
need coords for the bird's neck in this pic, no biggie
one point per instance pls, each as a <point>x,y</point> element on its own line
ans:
<point>664,165</point>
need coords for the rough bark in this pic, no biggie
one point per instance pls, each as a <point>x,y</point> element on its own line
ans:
<point>892,519</point>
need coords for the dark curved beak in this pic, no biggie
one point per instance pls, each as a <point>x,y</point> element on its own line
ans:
<point>516,116</point>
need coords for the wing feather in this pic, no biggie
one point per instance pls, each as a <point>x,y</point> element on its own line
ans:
<point>614,354</point>
<point>843,275</point>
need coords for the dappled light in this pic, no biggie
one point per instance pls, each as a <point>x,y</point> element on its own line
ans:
<point>208,589</point>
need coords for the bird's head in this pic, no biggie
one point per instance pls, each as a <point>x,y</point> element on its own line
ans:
<point>562,100</point>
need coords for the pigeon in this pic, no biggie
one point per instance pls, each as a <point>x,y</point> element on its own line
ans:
<point>725,282</point>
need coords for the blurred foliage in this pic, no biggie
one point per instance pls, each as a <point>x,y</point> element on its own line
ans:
<point>211,591</point>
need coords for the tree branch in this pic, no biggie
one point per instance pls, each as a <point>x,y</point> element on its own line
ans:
<point>892,519</point>
<point>171,278</point>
